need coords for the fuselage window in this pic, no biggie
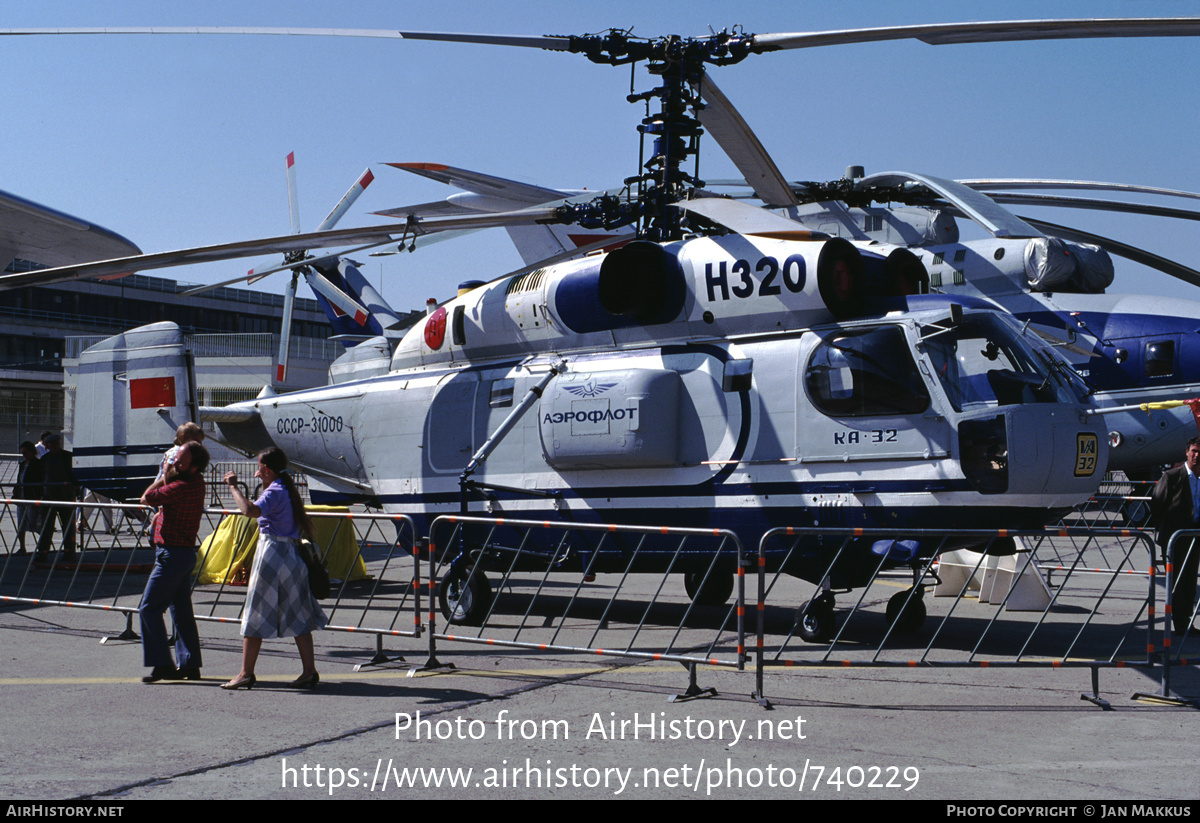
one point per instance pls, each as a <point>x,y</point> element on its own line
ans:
<point>501,394</point>
<point>866,373</point>
<point>1160,358</point>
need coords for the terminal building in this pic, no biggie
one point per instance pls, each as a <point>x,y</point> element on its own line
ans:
<point>233,335</point>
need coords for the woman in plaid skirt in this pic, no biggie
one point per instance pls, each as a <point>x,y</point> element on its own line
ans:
<point>278,601</point>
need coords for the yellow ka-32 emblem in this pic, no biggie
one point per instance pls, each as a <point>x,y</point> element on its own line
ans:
<point>1087,446</point>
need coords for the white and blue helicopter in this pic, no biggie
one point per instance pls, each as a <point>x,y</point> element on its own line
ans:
<point>728,367</point>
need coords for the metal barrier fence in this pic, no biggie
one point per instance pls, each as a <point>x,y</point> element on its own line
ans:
<point>1058,598</point>
<point>1181,560</point>
<point>372,558</point>
<point>373,563</point>
<point>996,609</point>
<point>593,589</point>
<point>1118,503</point>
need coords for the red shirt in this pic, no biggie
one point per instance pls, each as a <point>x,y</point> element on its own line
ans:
<point>182,506</point>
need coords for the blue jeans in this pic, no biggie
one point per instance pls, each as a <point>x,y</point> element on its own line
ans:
<point>170,586</point>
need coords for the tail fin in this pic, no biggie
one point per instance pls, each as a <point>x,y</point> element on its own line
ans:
<point>131,392</point>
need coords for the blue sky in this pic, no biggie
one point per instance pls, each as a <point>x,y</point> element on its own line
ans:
<point>177,141</point>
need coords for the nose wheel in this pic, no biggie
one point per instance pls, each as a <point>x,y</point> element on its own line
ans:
<point>814,620</point>
<point>465,597</point>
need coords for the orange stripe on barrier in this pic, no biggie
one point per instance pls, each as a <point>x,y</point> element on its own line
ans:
<point>759,644</point>
<point>664,529</point>
<point>1054,664</point>
<point>599,651</point>
<point>1062,532</point>
<point>858,532</point>
<point>912,664</point>
<point>741,611</point>
<point>762,607</point>
<point>983,664</point>
<point>1166,608</point>
<point>1120,664</point>
<point>790,531</point>
<point>1150,648</point>
<point>657,656</point>
<point>741,649</point>
<point>1002,532</point>
<point>545,524</point>
<point>762,562</point>
<point>543,646</point>
<point>789,663</point>
<point>612,528</point>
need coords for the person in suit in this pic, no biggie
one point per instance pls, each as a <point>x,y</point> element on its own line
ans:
<point>58,483</point>
<point>1175,505</point>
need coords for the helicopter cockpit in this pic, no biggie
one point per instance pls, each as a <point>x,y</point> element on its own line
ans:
<point>983,361</point>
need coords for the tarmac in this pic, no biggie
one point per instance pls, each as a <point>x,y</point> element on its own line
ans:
<point>506,724</point>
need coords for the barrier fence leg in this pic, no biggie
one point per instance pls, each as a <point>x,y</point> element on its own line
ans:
<point>1094,697</point>
<point>128,634</point>
<point>380,656</point>
<point>432,663</point>
<point>693,690</point>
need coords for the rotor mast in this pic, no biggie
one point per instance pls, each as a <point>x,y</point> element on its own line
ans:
<point>674,129</point>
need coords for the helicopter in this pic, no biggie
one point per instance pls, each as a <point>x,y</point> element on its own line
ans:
<point>1127,347</point>
<point>728,367</point>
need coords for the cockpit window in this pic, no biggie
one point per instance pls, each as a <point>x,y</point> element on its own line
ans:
<point>984,362</point>
<point>866,373</point>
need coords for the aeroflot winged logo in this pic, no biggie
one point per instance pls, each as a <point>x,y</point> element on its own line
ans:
<point>592,388</point>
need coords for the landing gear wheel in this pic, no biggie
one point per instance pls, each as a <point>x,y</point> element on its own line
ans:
<point>464,597</point>
<point>715,591</point>
<point>814,620</point>
<point>906,620</point>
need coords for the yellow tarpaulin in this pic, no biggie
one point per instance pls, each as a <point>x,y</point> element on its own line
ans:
<point>226,555</point>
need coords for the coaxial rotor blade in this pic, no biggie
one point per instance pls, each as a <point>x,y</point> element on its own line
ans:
<point>1060,201</point>
<point>992,218</point>
<point>378,235</point>
<point>735,137</point>
<point>1022,183</point>
<point>933,34</point>
<point>940,34</point>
